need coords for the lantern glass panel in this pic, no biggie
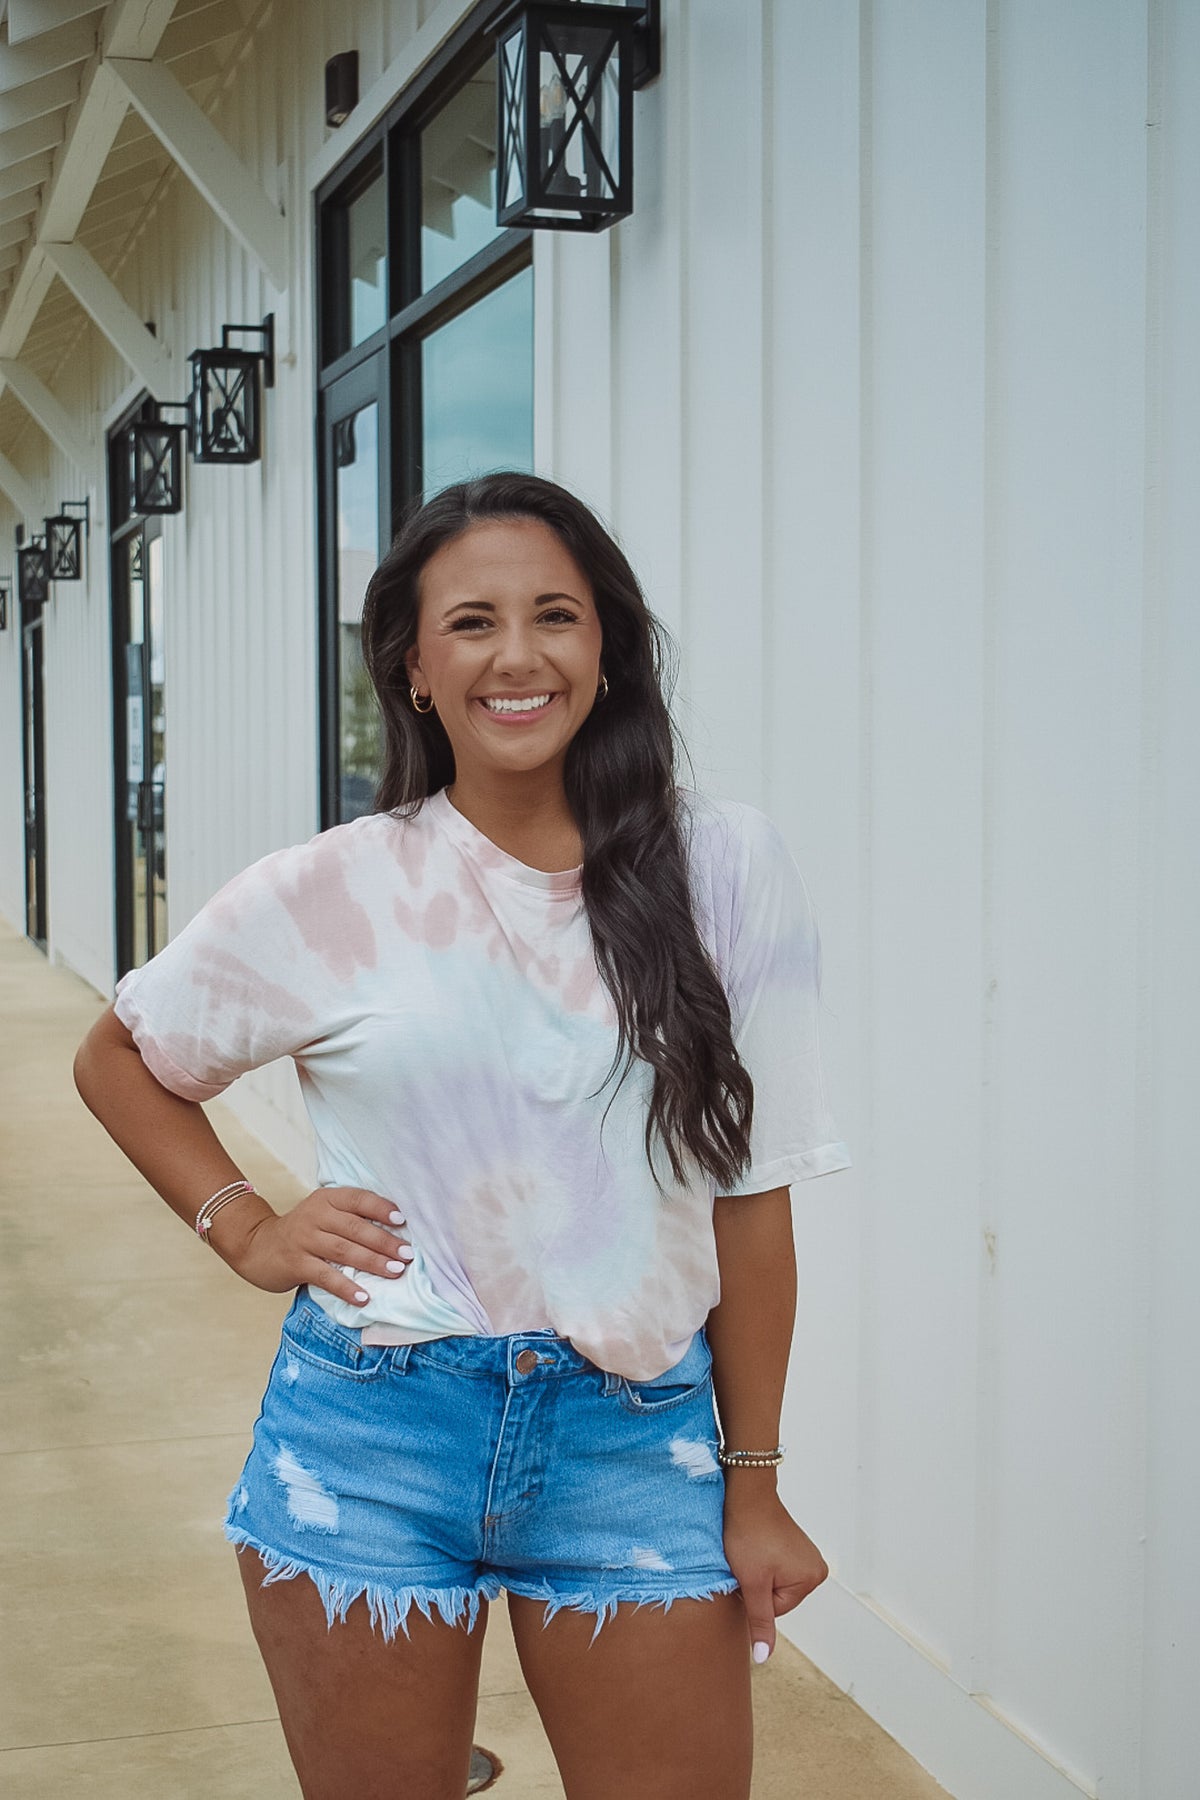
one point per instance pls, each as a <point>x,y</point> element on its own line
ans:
<point>458,178</point>
<point>64,537</point>
<point>512,63</point>
<point>155,467</point>
<point>579,89</point>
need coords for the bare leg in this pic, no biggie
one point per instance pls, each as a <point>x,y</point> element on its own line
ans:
<point>658,1707</point>
<point>381,1721</point>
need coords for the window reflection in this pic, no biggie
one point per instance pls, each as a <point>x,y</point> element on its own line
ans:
<point>458,178</point>
<point>356,471</point>
<point>366,228</point>
<point>477,388</point>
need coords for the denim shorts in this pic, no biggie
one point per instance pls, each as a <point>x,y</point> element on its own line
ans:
<point>438,1473</point>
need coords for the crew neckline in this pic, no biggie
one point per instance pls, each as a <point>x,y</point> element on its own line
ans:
<point>555,883</point>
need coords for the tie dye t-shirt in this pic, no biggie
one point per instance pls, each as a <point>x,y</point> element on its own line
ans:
<point>451,1034</point>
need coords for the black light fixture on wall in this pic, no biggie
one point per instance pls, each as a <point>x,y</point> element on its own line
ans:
<point>566,74</point>
<point>64,540</point>
<point>33,573</point>
<point>226,411</point>
<point>156,449</point>
<point>5,600</point>
<point>341,87</point>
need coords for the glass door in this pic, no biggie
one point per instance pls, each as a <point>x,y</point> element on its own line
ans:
<point>140,723</point>
<point>355,477</point>
<point>35,781</point>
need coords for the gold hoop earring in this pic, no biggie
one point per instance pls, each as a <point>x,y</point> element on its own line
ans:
<point>421,709</point>
<point>604,695</point>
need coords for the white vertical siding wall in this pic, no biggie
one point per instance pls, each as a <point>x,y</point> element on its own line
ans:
<point>903,427</point>
<point>891,389</point>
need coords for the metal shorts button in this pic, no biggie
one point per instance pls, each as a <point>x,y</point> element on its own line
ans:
<point>526,1360</point>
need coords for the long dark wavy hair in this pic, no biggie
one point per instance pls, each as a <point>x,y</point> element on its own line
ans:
<point>619,774</point>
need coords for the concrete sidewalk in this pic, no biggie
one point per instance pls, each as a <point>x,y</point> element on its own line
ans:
<point>131,1367</point>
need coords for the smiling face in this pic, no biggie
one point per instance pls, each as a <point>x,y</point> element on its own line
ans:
<point>506,612</point>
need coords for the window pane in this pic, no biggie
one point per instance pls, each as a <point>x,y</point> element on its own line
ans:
<point>477,375</point>
<point>356,467</point>
<point>366,233</point>
<point>458,178</point>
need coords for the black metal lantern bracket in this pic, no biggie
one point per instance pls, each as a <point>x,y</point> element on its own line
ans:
<point>6,585</point>
<point>267,333</point>
<point>64,540</point>
<point>646,62</point>
<point>226,414</point>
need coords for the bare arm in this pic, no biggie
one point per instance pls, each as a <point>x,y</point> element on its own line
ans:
<point>170,1141</point>
<point>750,1335</point>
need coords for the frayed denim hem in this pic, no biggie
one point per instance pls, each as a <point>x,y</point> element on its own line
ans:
<point>389,1607</point>
<point>607,1607</point>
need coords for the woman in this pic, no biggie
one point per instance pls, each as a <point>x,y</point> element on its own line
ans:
<point>554,1019</point>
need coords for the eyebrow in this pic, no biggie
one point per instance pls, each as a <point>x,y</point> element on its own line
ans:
<point>489,606</point>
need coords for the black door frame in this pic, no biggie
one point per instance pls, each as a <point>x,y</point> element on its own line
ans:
<point>122,527</point>
<point>33,733</point>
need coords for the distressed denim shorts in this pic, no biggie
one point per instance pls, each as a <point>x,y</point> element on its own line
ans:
<point>438,1473</point>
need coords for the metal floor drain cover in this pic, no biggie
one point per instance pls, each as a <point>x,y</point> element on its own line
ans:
<point>484,1769</point>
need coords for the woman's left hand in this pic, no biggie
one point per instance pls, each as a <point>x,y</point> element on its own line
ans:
<point>777,1565</point>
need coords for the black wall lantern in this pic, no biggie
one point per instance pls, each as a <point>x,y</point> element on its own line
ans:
<point>226,410</point>
<point>64,541</point>
<point>5,598</point>
<point>566,74</point>
<point>33,573</point>
<point>156,462</point>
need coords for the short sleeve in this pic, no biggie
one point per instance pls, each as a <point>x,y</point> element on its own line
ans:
<point>236,988</point>
<point>774,982</point>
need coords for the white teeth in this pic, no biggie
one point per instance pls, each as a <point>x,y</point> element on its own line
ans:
<point>530,705</point>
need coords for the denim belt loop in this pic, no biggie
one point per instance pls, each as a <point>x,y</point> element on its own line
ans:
<point>612,1382</point>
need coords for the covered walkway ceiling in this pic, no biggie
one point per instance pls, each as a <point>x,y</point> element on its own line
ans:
<point>101,107</point>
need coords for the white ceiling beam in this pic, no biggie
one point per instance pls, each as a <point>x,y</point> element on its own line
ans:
<point>19,491</point>
<point>34,172</point>
<point>239,200</point>
<point>149,360</point>
<point>131,28</point>
<point>37,98</point>
<point>33,18</point>
<point>50,414</point>
<point>135,27</point>
<point>20,63</point>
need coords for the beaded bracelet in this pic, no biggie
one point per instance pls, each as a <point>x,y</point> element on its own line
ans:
<point>750,1459</point>
<point>212,1206</point>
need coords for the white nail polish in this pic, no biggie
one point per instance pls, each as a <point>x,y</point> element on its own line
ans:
<point>398,1219</point>
<point>761,1651</point>
<point>396,1268</point>
<point>406,1252</point>
<point>360,1295</point>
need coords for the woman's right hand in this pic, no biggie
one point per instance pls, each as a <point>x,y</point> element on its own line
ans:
<point>331,1225</point>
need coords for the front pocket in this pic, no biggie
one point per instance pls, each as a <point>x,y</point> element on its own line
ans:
<point>310,1336</point>
<point>676,1386</point>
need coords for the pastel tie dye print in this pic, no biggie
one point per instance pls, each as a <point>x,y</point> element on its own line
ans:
<point>451,1034</point>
